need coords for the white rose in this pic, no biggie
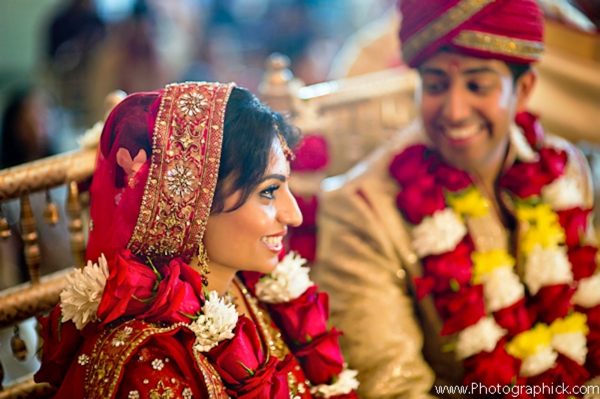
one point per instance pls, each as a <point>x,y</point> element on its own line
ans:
<point>573,345</point>
<point>588,292</point>
<point>482,336</point>
<point>563,193</point>
<point>501,288</point>
<point>538,363</point>
<point>547,266</point>
<point>438,233</point>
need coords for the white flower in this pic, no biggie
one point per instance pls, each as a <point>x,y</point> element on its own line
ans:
<point>563,193</point>
<point>81,298</point>
<point>288,281</point>
<point>588,292</point>
<point>345,384</point>
<point>481,336</point>
<point>547,266</point>
<point>573,345</point>
<point>536,364</point>
<point>501,288</point>
<point>438,233</point>
<point>215,323</point>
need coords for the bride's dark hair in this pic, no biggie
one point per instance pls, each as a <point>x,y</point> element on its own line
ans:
<point>248,135</point>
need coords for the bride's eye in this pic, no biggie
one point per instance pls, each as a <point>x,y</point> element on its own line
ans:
<point>268,192</point>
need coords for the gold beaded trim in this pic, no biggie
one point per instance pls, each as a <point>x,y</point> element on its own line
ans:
<point>270,335</point>
<point>500,44</point>
<point>447,22</point>
<point>186,152</point>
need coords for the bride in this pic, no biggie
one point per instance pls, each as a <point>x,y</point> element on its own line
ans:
<point>184,294</point>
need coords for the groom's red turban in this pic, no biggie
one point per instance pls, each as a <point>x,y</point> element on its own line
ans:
<point>508,30</point>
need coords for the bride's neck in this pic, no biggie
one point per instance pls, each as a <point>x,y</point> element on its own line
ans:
<point>219,278</point>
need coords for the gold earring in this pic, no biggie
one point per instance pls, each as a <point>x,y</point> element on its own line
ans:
<point>203,263</point>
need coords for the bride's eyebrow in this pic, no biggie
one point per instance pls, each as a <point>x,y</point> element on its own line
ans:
<point>279,177</point>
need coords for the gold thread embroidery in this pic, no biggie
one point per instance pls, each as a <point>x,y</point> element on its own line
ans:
<point>167,392</point>
<point>183,171</point>
<point>271,336</point>
<point>214,384</point>
<point>448,21</point>
<point>500,44</point>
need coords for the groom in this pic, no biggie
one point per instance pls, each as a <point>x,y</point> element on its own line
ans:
<point>462,253</point>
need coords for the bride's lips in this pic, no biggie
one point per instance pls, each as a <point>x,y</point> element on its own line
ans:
<point>274,242</point>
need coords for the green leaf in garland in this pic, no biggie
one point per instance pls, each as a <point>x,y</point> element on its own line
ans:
<point>148,300</point>
<point>248,370</point>
<point>454,285</point>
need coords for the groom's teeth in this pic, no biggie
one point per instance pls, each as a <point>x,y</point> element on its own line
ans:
<point>462,132</point>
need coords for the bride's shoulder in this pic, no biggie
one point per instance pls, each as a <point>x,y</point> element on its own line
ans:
<point>137,357</point>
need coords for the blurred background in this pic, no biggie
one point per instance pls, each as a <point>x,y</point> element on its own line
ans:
<point>59,58</point>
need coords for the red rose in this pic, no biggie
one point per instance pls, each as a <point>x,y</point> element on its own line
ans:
<point>421,199</point>
<point>61,343</point>
<point>515,318</point>
<point>553,161</point>
<point>574,221</point>
<point>451,269</point>
<point>270,381</point>
<point>179,294</point>
<point>593,316</point>
<point>460,309</point>
<point>311,154</point>
<point>532,129</point>
<point>583,261</point>
<point>491,368</point>
<point>565,372</point>
<point>308,207</point>
<point>411,164</point>
<point>552,302</point>
<point>304,318</point>
<point>234,357</point>
<point>322,359</point>
<point>304,242</point>
<point>525,179</point>
<point>129,279</point>
<point>451,178</point>
<point>592,361</point>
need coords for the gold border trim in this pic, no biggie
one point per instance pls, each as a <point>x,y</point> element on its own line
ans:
<point>447,22</point>
<point>188,143</point>
<point>499,44</point>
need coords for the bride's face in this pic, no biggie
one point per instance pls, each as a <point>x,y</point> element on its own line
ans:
<point>251,237</point>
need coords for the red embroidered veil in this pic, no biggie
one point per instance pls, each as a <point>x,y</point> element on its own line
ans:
<point>153,187</point>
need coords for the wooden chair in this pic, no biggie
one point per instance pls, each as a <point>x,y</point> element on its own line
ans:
<point>19,305</point>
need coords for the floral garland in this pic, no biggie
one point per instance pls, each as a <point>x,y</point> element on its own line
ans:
<point>127,288</point>
<point>507,332</point>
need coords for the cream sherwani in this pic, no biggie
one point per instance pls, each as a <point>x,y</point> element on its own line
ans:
<point>366,264</point>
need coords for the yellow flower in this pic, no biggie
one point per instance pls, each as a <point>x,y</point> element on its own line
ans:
<point>528,343</point>
<point>575,322</point>
<point>469,203</point>
<point>486,262</point>
<point>541,227</point>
